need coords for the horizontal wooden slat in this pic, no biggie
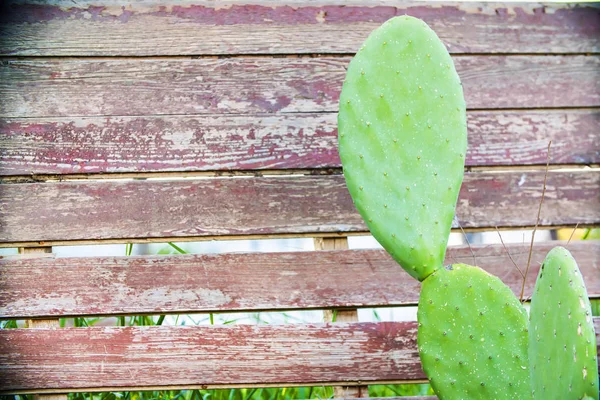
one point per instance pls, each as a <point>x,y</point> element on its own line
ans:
<point>263,206</point>
<point>267,27</point>
<point>117,358</point>
<point>281,141</point>
<point>247,282</point>
<point>139,87</point>
<point>215,355</point>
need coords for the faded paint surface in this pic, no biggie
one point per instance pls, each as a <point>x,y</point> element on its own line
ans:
<point>264,27</point>
<point>247,282</point>
<point>94,357</point>
<point>258,142</point>
<point>273,205</point>
<point>145,87</point>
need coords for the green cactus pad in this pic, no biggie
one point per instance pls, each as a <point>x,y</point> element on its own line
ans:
<point>472,336</point>
<point>562,341</point>
<point>402,141</point>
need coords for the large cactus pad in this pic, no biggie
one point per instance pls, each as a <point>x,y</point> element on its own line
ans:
<point>562,341</point>
<point>402,141</point>
<point>472,336</point>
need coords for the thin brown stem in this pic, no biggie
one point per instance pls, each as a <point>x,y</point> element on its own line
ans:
<point>508,253</point>
<point>468,244</point>
<point>572,233</point>
<point>537,222</point>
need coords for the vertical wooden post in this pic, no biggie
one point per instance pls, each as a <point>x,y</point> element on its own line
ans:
<point>341,243</point>
<point>42,323</point>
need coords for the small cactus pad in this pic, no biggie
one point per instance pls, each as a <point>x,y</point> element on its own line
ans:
<point>472,336</point>
<point>562,341</point>
<point>402,141</point>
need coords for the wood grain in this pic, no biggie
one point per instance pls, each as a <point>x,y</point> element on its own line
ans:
<point>259,142</point>
<point>195,208</point>
<point>89,359</point>
<point>248,282</point>
<point>66,28</point>
<point>38,323</point>
<point>140,87</point>
<point>205,355</point>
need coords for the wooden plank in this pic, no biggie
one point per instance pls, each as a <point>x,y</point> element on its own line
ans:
<point>38,323</point>
<point>281,141</point>
<point>138,358</point>
<point>341,276</point>
<point>139,87</point>
<point>115,357</point>
<point>245,206</point>
<point>264,27</point>
<point>249,282</point>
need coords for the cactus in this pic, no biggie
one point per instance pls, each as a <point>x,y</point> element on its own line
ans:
<point>562,342</point>
<point>472,336</point>
<point>402,141</point>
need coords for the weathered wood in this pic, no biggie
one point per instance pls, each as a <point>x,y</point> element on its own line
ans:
<point>37,323</point>
<point>139,87</point>
<point>194,208</point>
<point>341,276</point>
<point>248,282</point>
<point>281,141</point>
<point>89,359</point>
<point>93,358</point>
<point>266,27</point>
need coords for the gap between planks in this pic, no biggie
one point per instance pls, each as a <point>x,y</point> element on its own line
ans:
<point>293,172</point>
<point>302,235</point>
<point>50,392</point>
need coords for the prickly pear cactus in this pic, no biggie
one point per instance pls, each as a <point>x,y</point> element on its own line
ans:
<point>472,336</point>
<point>402,141</point>
<point>562,341</point>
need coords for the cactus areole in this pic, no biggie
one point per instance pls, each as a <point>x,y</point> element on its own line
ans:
<point>402,141</point>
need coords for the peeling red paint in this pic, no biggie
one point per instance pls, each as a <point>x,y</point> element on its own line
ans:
<point>288,15</point>
<point>475,28</point>
<point>136,144</point>
<point>260,85</point>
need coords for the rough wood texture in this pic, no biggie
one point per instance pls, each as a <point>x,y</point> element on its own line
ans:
<point>205,355</point>
<point>85,359</point>
<point>139,87</point>
<point>264,206</point>
<point>282,141</point>
<point>247,282</point>
<point>267,27</point>
<point>37,323</point>
<point>341,276</point>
